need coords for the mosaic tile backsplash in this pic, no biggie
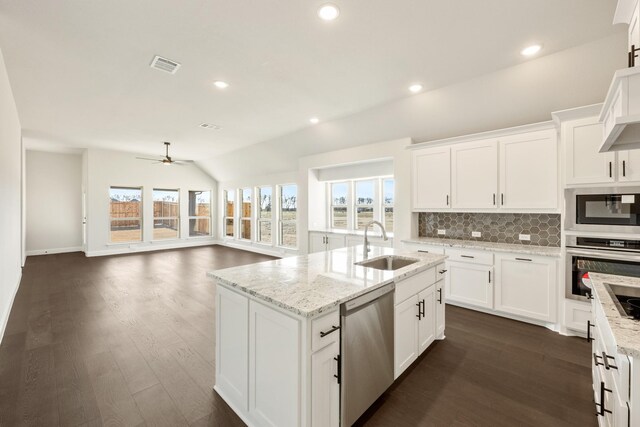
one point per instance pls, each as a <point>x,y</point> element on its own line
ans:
<point>495,227</point>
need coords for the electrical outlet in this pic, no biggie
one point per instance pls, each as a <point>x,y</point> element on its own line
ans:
<point>442,232</point>
<point>476,234</point>
<point>526,237</point>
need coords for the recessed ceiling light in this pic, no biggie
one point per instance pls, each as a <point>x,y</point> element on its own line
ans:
<point>415,88</point>
<point>314,120</point>
<point>328,12</point>
<point>220,84</point>
<point>531,50</point>
<point>210,126</point>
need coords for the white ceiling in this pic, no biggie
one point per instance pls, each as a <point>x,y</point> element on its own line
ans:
<point>80,69</point>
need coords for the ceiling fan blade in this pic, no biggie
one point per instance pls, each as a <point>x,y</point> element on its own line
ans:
<point>146,158</point>
<point>183,161</point>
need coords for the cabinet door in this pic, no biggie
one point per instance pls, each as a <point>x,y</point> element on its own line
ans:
<point>335,241</point>
<point>325,389</point>
<point>427,324</point>
<point>274,367</point>
<point>431,178</point>
<point>634,30</point>
<point>440,309</point>
<point>584,164</point>
<point>406,334</point>
<point>629,165</point>
<point>317,242</point>
<point>529,171</point>
<point>474,174</point>
<point>232,346</point>
<point>526,286</point>
<point>469,284</point>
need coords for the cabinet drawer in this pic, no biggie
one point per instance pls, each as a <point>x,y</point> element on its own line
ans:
<point>412,285</point>
<point>321,330</point>
<point>470,256</point>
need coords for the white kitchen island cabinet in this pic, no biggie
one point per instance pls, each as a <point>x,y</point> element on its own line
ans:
<point>278,360</point>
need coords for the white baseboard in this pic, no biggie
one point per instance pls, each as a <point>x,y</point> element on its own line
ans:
<point>5,316</point>
<point>149,247</point>
<point>54,251</point>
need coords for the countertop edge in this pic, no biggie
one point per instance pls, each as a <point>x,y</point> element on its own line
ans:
<point>548,251</point>
<point>615,320</point>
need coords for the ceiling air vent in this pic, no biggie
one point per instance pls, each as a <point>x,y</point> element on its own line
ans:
<point>210,126</point>
<point>164,64</point>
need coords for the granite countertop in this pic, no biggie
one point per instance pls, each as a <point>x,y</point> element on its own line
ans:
<point>312,284</point>
<point>489,246</point>
<point>626,331</point>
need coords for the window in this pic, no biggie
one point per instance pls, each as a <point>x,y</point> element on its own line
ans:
<point>339,193</point>
<point>353,204</point>
<point>364,203</point>
<point>166,214</point>
<point>199,213</point>
<point>229,212</point>
<point>245,218</point>
<point>288,217</point>
<point>264,215</point>
<point>125,214</point>
<point>388,200</point>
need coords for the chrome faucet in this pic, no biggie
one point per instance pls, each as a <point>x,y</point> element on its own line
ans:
<point>367,249</point>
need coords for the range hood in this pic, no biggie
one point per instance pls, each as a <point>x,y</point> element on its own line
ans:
<point>620,113</point>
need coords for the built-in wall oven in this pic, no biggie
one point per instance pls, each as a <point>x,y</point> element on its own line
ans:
<point>605,209</point>
<point>598,255</point>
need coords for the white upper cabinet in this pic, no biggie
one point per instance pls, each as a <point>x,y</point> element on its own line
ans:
<point>474,174</point>
<point>529,171</point>
<point>584,163</point>
<point>512,169</point>
<point>628,166</point>
<point>431,178</point>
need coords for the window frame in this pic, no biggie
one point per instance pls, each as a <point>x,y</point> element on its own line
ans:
<point>352,205</point>
<point>385,205</point>
<point>196,217</point>
<point>259,219</point>
<point>243,218</point>
<point>141,218</point>
<point>225,217</point>
<point>281,222</point>
<point>176,219</point>
<point>373,205</point>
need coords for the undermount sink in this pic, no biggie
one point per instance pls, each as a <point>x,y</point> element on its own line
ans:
<point>391,262</point>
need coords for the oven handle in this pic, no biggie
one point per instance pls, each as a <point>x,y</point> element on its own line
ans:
<point>615,255</point>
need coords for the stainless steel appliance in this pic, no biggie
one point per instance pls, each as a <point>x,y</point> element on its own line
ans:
<point>366,351</point>
<point>598,255</point>
<point>605,209</point>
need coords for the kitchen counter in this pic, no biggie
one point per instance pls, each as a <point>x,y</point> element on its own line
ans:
<point>489,246</point>
<point>626,331</point>
<point>312,284</point>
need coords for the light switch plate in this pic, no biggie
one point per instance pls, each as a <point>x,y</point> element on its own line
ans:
<point>442,232</point>
<point>526,237</point>
<point>476,234</point>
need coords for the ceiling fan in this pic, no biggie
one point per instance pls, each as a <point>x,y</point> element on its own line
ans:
<point>167,160</point>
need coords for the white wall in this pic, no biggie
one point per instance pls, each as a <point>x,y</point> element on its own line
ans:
<point>252,182</point>
<point>519,95</point>
<point>53,204</point>
<point>312,201</point>
<point>113,168</point>
<point>10,198</point>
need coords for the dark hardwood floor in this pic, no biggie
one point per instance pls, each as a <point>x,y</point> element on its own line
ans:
<point>129,340</point>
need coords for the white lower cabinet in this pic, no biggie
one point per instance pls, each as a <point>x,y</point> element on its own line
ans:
<point>470,284</point>
<point>415,319</point>
<point>319,242</point>
<point>274,365</point>
<point>440,301</point>
<point>526,286</point>
<point>325,389</point>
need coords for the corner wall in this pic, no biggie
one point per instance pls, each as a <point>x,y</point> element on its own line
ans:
<point>10,198</point>
<point>106,168</point>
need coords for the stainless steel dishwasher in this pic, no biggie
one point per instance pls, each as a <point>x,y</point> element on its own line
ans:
<point>366,351</point>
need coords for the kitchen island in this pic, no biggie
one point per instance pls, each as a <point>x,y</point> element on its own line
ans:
<point>278,329</point>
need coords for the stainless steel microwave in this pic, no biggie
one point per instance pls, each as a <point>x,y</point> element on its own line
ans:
<point>605,209</point>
